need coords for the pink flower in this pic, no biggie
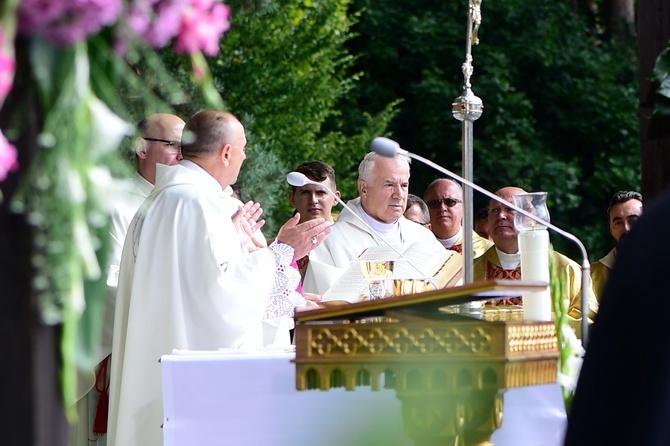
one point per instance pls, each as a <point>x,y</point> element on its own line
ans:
<point>67,21</point>
<point>202,26</point>
<point>156,21</point>
<point>37,14</point>
<point>8,157</point>
<point>7,68</point>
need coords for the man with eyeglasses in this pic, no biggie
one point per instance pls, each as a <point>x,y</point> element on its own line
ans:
<point>503,260</point>
<point>444,199</point>
<point>158,142</point>
<point>625,208</point>
<point>383,185</point>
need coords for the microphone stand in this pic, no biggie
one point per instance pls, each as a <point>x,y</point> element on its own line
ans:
<point>383,146</point>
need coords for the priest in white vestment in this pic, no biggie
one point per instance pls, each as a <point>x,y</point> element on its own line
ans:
<point>383,185</point>
<point>194,278</point>
<point>158,142</point>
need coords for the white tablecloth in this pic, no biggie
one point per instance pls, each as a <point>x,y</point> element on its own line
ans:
<point>219,398</point>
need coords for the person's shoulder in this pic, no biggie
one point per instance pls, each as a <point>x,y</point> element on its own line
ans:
<point>480,244</point>
<point>185,193</point>
<point>479,263</point>
<point>417,229</point>
<point>490,251</point>
<point>478,240</point>
<point>564,261</point>
<point>343,227</point>
<point>598,266</point>
<point>599,269</point>
<point>125,198</point>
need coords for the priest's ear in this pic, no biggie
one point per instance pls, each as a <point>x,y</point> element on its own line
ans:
<point>362,188</point>
<point>141,148</point>
<point>225,154</point>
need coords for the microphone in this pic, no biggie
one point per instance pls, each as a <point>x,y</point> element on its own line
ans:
<point>388,147</point>
<point>298,179</point>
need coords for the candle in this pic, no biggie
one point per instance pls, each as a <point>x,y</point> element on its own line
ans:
<point>534,250</point>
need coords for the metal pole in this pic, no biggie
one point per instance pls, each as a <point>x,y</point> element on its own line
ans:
<point>467,108</point>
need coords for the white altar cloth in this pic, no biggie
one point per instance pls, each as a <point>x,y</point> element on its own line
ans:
<point>235,398</point>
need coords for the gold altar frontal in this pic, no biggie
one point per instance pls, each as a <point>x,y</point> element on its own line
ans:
<point>448,369</point>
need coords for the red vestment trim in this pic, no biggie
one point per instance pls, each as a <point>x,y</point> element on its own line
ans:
<point>495,272</point>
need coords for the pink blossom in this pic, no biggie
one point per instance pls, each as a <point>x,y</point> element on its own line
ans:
<point>67,21</point>
<point>8,157</point>
<point>202,25</point>
<point>197,24</point>
<point>7,68</point>
<point>156,21</point>
<point>37,14</point>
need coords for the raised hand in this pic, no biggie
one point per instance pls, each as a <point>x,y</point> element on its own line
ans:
<point>247,223</point>
<point>305,236</point>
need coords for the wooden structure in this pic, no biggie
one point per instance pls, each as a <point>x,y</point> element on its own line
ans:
<point>653,18</point>
<point>446,368</point>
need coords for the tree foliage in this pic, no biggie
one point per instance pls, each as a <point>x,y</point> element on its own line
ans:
<point>282,69</point>
<point>317,79</point>
<point>560,104</point>
<point>662,78</point>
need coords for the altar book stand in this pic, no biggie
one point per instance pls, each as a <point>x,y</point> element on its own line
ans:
<point>448,369</point>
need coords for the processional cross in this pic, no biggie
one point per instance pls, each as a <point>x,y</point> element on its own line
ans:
<point>467,108</point>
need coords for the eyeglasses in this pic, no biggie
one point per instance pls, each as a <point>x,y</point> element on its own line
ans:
<point>173,146</point>
<point>449,202</point>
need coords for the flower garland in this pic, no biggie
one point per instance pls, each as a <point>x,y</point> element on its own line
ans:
<point>63,191</point>
<point>8,154</point>
<point>570,350</point>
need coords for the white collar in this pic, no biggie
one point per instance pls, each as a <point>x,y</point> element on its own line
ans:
<point>451,241</point>
<point>508,261</point>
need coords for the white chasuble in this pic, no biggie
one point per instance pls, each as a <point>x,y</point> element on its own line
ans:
<point>185,283</point>
<point>348,239</point>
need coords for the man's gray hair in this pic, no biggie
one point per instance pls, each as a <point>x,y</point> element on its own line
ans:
<point>367,165</point>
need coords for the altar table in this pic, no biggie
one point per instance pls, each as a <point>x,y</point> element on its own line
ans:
<point>250,398</point>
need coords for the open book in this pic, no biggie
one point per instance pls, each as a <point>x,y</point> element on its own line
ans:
<point>419,260</point>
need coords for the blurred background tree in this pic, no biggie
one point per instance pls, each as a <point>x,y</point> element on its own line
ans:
<point>283,68</point>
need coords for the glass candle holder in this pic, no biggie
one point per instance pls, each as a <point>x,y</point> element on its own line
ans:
<point>535,203</point>
<point>534,249</point>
